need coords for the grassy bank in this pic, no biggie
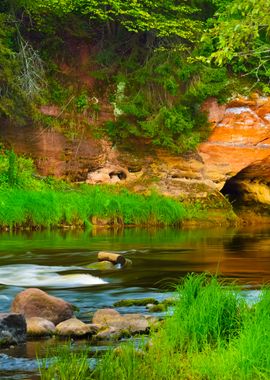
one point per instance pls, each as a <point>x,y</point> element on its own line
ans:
<point>31,201</point>
<point>77,206</point>
<point>213,334</point>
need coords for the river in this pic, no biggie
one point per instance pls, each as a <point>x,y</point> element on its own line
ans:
<point>55,262</point>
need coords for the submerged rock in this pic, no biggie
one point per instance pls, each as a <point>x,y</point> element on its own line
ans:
<point>102,265</point>
<point>12,329</point>
<point>36,303</point>
<point>37,326</point>
<point>136,302</point>
<point>159,308</point>
<point>74,327</point>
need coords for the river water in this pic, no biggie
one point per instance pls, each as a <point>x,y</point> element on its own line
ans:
<point>55,261</point>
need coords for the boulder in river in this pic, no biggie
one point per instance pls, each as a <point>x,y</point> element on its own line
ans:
<point>114,258</point>
<point>37,326</point>
<point>76,328</point>
<point>34,302</point>
<point>105,316</point>
<point>12,329</point>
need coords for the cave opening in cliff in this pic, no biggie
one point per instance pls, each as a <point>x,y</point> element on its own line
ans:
<point>232,190</point>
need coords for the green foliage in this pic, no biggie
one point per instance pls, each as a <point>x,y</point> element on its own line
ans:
<point>145,54</point>
<point>77,363</point>
<point>240,37</point>
<point>13,102</point>
<point>219,319</point>
<point>12,173</point>
<point>163,18</point>
<point>161,100</point>
<point>82,102</point>
<point>56,92</point>
<point>16,171</point>
<point>76,206</point>
<point>212,334</point>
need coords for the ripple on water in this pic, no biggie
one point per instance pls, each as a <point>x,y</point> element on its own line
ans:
<point>9,363</point>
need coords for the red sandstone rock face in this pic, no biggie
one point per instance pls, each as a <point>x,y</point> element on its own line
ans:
<point>53,153</point>
<point>239,138</point>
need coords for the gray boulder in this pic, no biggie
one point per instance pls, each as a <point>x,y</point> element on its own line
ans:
<point>12,329</point>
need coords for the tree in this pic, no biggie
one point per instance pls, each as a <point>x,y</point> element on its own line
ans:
<point>13,102</point>
<point>240,37</point>
<point>165,18</point>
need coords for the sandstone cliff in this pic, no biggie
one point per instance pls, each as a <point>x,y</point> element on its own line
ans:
<point>234,160</point>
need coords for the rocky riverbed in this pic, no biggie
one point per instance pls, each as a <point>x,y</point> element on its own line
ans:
<point>36,314</point>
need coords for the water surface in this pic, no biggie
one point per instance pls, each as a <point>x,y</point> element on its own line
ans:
<point>55,261</point>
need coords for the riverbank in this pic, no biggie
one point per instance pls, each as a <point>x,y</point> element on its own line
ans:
<point>213,333</point>
<point>101,206</point>
<point>30,201</point>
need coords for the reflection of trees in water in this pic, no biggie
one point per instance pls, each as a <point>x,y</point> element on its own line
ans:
<point>247,256</point>
<point>243,242</point>
<point>239,243</point>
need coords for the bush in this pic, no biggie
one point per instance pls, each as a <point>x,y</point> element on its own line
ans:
<point>161,100</point>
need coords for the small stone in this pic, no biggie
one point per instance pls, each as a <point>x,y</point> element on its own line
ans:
<point>37,326</point>
<point>73,327</point>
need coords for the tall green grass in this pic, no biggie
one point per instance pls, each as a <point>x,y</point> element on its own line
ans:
<point>76,206</point>
<point>74,365</point>
<point>213,334</point>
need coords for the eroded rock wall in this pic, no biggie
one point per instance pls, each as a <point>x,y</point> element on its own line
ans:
<point>239,139</point>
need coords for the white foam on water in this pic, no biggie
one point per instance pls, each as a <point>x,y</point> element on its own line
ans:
<point>4,298</point>
<point>27,275</point>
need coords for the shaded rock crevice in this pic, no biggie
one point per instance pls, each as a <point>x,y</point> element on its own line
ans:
<point>250,188</point>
